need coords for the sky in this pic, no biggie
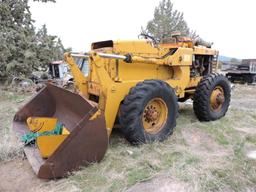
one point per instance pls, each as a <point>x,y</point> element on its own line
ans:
<point>230,24</point>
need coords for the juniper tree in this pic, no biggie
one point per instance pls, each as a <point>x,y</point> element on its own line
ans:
<point>22,49</point>
<point>49,47</point>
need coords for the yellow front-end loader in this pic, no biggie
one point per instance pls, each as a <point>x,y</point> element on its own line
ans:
<point>135,84</point>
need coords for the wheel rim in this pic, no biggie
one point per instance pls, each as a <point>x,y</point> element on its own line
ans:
<point>154,116</point>
<point>217,99</point>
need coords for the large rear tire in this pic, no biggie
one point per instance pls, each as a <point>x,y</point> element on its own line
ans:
<point>212,97</point>
<point>148,113</point>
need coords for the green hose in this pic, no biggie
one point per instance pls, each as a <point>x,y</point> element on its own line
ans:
<point>30,137</point>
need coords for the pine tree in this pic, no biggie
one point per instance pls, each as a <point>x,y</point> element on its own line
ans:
<point>167,20</point>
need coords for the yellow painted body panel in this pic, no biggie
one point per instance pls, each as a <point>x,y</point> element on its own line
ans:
<point>41,124</point>
<point>204,51</point>
<point>48,144</point>
<point>140,47</point>
<point>65,131</point>
<point>194,81</point>
<point>111,79</point>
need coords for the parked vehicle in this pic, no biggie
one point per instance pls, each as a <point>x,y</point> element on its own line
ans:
<point>243,73</point>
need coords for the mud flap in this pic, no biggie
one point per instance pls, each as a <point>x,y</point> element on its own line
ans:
<point>86,143</point>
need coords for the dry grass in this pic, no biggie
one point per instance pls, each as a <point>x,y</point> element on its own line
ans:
<point>204,156</point>
<point>9,146</point>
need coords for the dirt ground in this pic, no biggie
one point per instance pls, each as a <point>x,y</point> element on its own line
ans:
<point>16,175</point>
<point>197,157</point>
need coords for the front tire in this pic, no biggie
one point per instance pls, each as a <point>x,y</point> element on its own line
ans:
<point>148,113</point>
<point>212,97</point>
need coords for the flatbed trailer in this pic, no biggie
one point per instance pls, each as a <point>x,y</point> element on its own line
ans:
<point>243,73</point>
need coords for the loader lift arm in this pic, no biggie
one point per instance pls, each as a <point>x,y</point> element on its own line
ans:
<point>80,79</point>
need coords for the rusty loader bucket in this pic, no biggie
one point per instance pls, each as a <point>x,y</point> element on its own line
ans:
<point>68,132</point>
